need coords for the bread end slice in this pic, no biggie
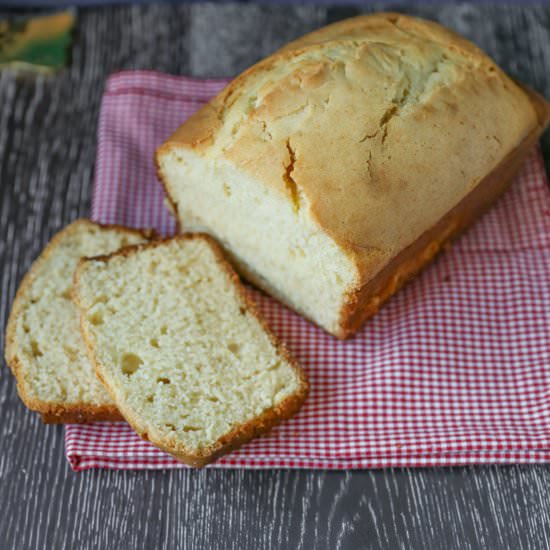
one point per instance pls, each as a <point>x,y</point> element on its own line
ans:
<point>182,350</point>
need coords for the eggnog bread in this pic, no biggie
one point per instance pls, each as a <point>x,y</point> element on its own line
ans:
<point>181,349</point>
<point>44,347</point>
<point>335,169</point>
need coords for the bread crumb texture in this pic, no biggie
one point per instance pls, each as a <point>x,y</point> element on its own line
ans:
<point>44,345</point>
<point>178,345</point>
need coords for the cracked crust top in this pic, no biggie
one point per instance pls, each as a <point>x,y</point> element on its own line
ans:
<point>371,120</point>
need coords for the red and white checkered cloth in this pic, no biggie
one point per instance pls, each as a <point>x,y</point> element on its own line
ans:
<point>455,369</point>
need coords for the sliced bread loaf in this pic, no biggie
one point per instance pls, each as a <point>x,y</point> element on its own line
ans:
<point>183,352</point>
<point>334,170</point>
<point>44,347</point>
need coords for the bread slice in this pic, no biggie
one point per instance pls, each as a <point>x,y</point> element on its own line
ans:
<point>333,170</point>
<point>183,352</point>
<point>44,347</point>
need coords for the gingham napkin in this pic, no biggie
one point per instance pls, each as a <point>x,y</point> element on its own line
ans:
<point>455,369</point>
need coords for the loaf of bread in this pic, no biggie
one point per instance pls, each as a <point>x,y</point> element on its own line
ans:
<point>181,349</point>
<point>335,169</point>
<point>44,348</point>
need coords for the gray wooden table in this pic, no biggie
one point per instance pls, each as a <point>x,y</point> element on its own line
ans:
<point>47,151</point>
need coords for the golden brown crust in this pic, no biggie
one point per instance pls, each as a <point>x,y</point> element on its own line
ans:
<point>379,21</point>
<point>56,413</point>
<point>82,414</point>
<point>365,301</point>
<point>370,127</point>
<point>240,434</point>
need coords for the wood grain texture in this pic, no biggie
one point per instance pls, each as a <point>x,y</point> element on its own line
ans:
<point>47,153</point>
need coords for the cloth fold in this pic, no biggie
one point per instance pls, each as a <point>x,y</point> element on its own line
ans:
<point>455,369</point>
